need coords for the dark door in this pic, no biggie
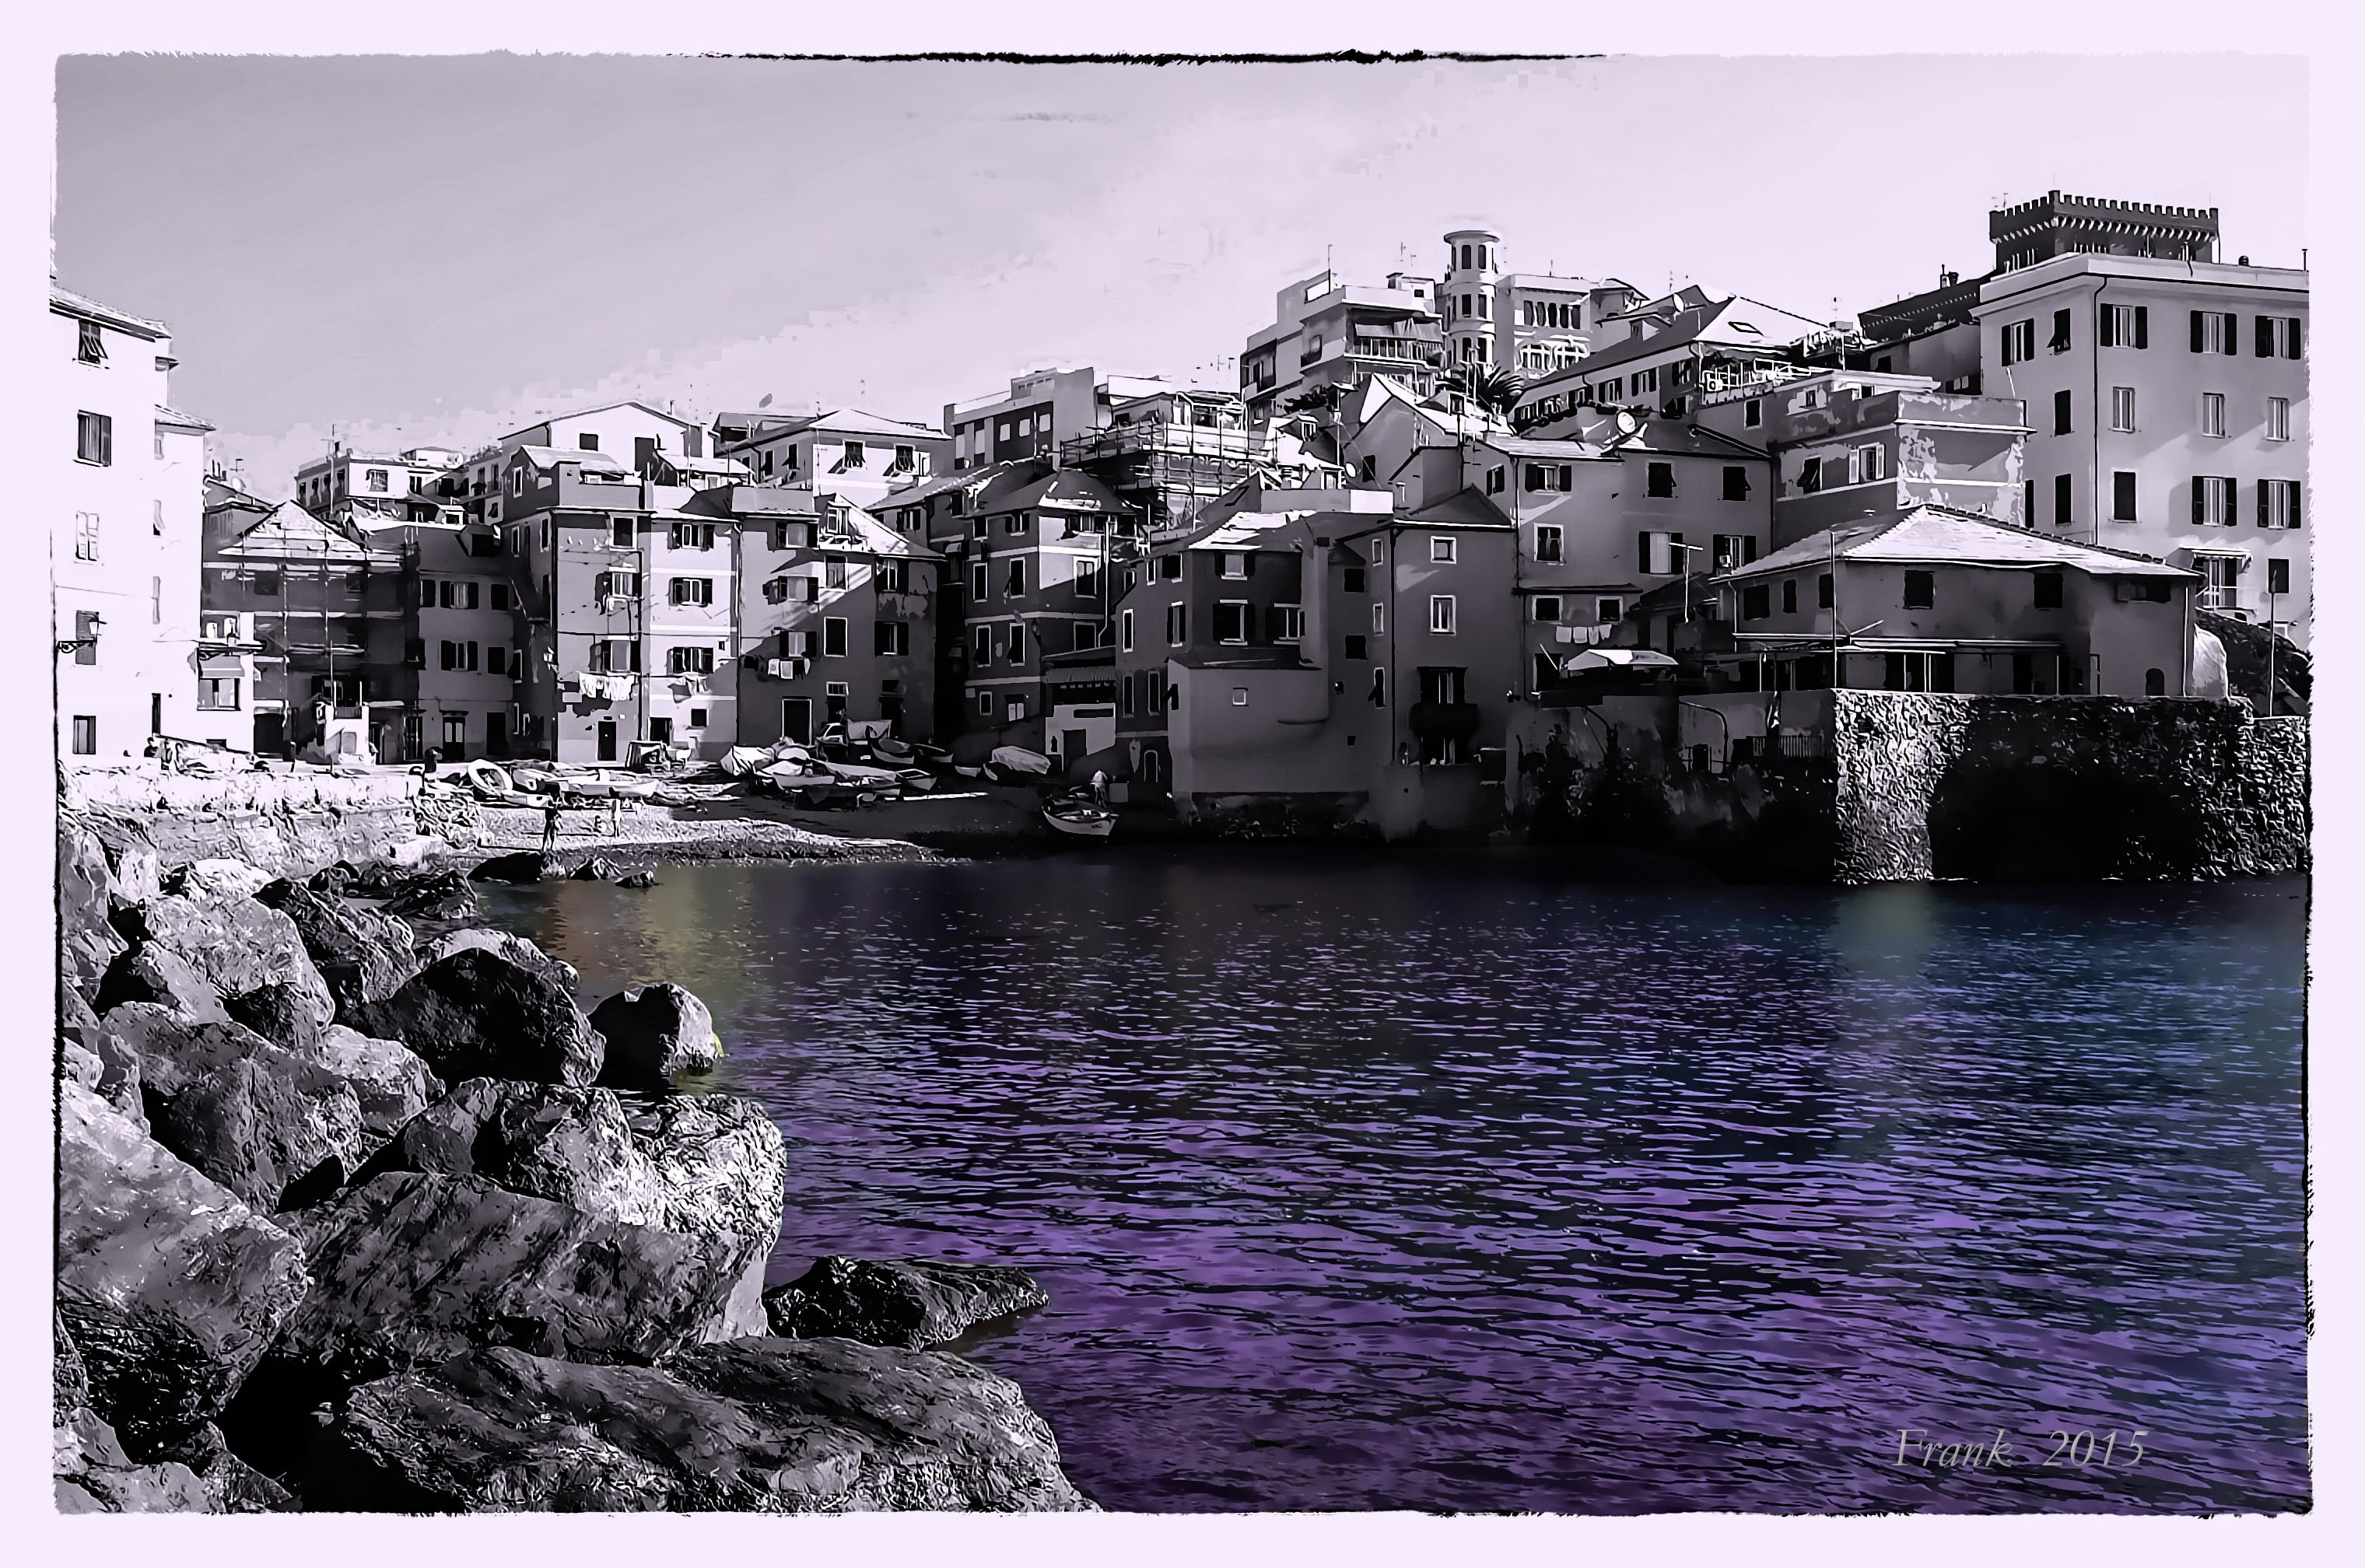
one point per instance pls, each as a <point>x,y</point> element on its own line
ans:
<point>497,734</point>
<point>796,718</point>
<point>607,740</point>
<point>1072,746</point>
<point>270,733</point>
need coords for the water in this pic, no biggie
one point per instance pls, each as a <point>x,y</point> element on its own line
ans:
<point>1447,1181</point>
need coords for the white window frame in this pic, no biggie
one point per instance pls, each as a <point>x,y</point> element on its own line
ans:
<point>1441,614</point>
<point>1292,624</point>
<point>1235,567</point>
<point>1178,624</point>
<point>1125,630</point>
<point>1548,541</point>
<point>2213,413</point>
<point>2123,408</point>
<point>1247,610</point>
<point>2278,419</point>
<point>1536,606</point>
<point>1442,548</point>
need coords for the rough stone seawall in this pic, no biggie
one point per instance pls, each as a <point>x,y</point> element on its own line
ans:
<point>2065,788</point>
<point>288,825</point>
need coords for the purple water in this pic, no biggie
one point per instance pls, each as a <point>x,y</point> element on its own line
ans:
<point>1445,1181</point>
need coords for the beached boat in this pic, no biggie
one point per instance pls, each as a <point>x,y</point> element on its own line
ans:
<point>1080,819</point>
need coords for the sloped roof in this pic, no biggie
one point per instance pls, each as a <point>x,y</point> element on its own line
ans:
<point>169,416</point>
<point>72,303</point>
<point>599,408</point>
<point>1720,321</point>
<point>288,532</point>
<point>1678,439</point>
<point>1466,508</point>
<point>552,457</point>
<point>751,500</point>
<point>1562,449</point>
<point>1944,536</point>
<point>877,539</point>
<point>1068,488</point>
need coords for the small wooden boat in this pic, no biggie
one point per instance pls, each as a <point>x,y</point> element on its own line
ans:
<point>1080,819</point>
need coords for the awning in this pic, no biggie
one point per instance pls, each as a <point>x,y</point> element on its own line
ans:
<point>226,667</point>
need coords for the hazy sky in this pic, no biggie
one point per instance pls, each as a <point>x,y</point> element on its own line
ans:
<point>436,249</point>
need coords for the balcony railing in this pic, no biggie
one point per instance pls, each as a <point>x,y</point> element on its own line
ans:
<point>1410,351</point>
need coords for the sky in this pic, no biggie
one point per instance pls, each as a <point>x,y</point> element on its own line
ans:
<point>438,250</point>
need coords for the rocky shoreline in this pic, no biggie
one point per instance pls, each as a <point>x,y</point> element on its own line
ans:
<point>359,1208</point>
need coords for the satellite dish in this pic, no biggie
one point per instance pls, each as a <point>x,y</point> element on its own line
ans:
<point>765,401</point>
<point>1627,423</point>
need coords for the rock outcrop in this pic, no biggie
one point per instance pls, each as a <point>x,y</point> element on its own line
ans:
<point>655,1033</point>
<point>361,954</point>
<point>569,1145</point>
<point>214,879</point>
<point>507,945</point>
<point>522,865</point>
<point>439,895</point>
<point>911,1306</point>
<point>278,1013</point>
<point>756,1425</point>
<point>391,1082</point>
<point>237,944</point>
<point>171,1288</point>
<point>87,944</point>
<point>475,1015</point>
<point>159,975</point>
<point>721,1172</point>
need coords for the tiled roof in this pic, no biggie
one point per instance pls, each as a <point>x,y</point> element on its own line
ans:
<point>288,532</point>
<point>1466,508</point>
<point>72,304</point>
<point>167,415</point>
<point>551,456</point>
<point>1944,536</point>
<point>1066,487</point>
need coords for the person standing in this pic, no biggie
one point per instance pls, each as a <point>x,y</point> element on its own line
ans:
<point>550,827</point>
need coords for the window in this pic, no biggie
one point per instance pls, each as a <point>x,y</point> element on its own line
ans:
<point>1441,549</point>
<point>1547,543</point>
<point>615,655</point>
<point>1757,601</point>
<point>2019,341</point>
<point>2277,336</point>
<point>1240,696</point>
<point>1752,414</point>
<point>2048,589</point>
<point>982,646</point>
<point>266,584</point>
<point>2213,413</point>
<point>1866,463</point>
<point>607,585</point>
<point>588,442</point>
<point>2064,501</point>
<point>1811,475</point>
<point>691,590</point>
<point>1170,568</point>
<point>2123,497</point>
<point>2123,408</point>
<point>1087,579</point>
<point>1353,579</point>
<point>1286,622</point>
<point>1178,624</point>
<point>1736,482</point>
<point>1547,609</point>
<point>85,536</point>
<point>833,571</point>
<point>1658,553</point>
<point>689,660</point>
<point>1440,613</point>
<point>1379,619</point>
<point>893,577</point>
<point>1920,591</point>
<point>2278,574</point>
<point>374,480</point>
<point>2061,411</point>
<point>1660,480</point>
<point>857,455</point>
<point>1727,551</point>
<point>90,347</point>
<point>214,695</point>
<point>95,439</point>
<point>2124,327</point>
<point>1014,523</point>
<point>2278,419</point>
<point>2278,503</point>
<point>693,536</point>
<point>2028,503</point>
<point>2059,342</point>
<point>2213,501</point>
<point>1379,689</point>
<point>1823,590</point>
<point>985,704</point>
<point>1235,564</point>
<point>1358,647</point>
<point>979,589</point>
<point>2214,332</point>
<point>1790,596</point>
<point>1606,611</point>
<point>620,532</point>
<point>833,637</point>
<point>890,639</point>
<point>1495,480</point>
<point>1017,649</point>
<point>516,480</point>
<point>1231,621</point>
<point>86,735</point>
<point>497,659</point>
<point>1014,578</point>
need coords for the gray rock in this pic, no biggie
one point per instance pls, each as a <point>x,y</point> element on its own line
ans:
<point>279,1013</point>
<point>69,1382</point>
<point>410,1269</point>
<point>474,1015</point>
<point>909,1305</point>
<point>273,1128</point>
<point>756,1425</point>
<point>236,943</point>
<point>151,974</point>
<point>722,1170</point>
<point>76,1021</point>
<point>569,1145</point>
<point>170,1287</point>
<point>363,955</point>
<point>654,1033</point>
<point>93,1476</point>
<point>507,945</point>
<point>439,895</point>
<point>390,1080</point>
<point>524,866</point>
<point>640,879</point>
<point>204,879</point>
<point>596,868</point>
<point>87,944</point>
<point>136,874</point>
<point>109,1068</point>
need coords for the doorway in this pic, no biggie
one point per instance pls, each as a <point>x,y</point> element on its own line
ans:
<point>1072,747</point>
<point>796,718</point>
<point>497,734</point>
<point>607,740</point>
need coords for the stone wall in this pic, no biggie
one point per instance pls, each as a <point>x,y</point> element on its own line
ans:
<point>287,825</point>
<point>2038,788</point>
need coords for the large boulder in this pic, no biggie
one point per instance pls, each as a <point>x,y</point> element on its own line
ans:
<point>214,880</point>
<point>440,895</point>
<point>722,1169</point>
<point>392,1082</point>
<point>76,1021</point>
<point>507,945</point>
<point>151,974</point>
<point>596,868</point>
<point>363,955</point>
<point>756,1425</point>
<point>655,1032</point>
<point>543,1140</point>
<point>87,944</point>
<point>171,1288</point>
<point>912,1305</point>
<point>280,1014</point>
<point>93,1476</point>
<point>522,865</point>
<point>475,1015</point>
<point>410,1269</point>
<point>108,1067</point>
<point>236,943</point>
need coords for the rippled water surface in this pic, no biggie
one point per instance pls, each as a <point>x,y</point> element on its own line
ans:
<point>1445,1181</point>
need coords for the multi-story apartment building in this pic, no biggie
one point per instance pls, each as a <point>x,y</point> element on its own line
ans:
<point>863,457</point>
<point>1657,357</point>
<point>2169,404</point>
<point>1851,447</point>
<point>124,538</point>
<point>1349,667</point>
<point>836,620</point>
<point>1326,334</point>
<point>347,486</point>
<point>1532,323</point>
<point>1602,507</point>
<point>1167,454</point>
<point>303,604</point>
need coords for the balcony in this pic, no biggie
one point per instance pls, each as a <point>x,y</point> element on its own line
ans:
<point>1443,720</point>
<point>1164,437</point>
<point>1400,351</point>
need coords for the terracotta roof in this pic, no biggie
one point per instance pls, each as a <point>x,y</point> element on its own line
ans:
<point>1942,535</point>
